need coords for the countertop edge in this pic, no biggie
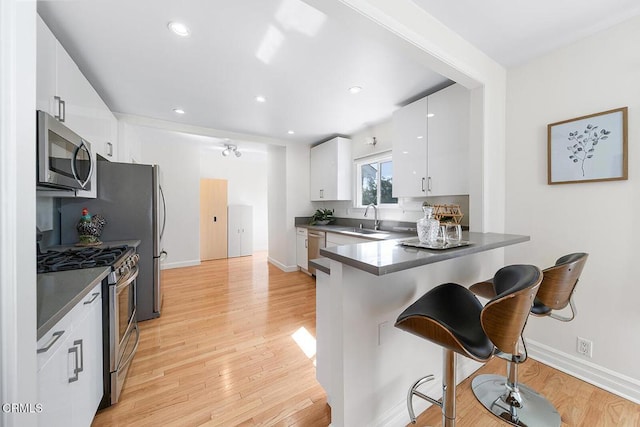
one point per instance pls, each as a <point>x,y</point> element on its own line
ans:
<point>50,323</point>
<point>380,270</point>
<point>321,264</point>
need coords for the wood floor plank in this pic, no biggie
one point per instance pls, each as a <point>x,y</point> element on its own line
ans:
<point>222,354</point>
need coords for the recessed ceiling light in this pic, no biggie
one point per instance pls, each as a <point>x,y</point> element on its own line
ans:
<point>291,132</point>
<point>261,98</point>
<point>179,28</point>
<point>355,89</point>
<point>178,110</point>
<point>419,136</point>
<point>430,115</point>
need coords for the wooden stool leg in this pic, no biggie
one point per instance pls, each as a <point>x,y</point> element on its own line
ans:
<point>448,388</point>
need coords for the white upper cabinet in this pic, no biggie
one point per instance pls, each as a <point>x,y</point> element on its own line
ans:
<point>331,170</point>
<point>64,92</point>
<point>410,150</point>
<point>431,145</point>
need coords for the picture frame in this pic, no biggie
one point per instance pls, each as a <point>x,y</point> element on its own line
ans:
<point>590,148</point>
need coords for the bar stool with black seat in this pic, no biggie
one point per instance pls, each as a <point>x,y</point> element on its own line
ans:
<point>452,316</point>
<point>501,394</point>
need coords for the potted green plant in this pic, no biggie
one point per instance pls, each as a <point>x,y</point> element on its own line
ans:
<point>322,217</point>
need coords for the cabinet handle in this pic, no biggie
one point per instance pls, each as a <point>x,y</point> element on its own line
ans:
<point>63,110</point>
<point>57,101</point>
<point>306,243</point>
<point>423,184</point>
<point>94,295</point>
<point>79,342</point>
<point>322,194</point>
<point>74,349</point>
<point>109,149</point>
<point>429,184</point>
<point>50,344</point>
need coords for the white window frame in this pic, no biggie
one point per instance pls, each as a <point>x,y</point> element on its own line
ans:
<point>377,158</point>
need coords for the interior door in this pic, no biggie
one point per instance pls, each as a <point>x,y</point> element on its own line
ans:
<point>213,219</point>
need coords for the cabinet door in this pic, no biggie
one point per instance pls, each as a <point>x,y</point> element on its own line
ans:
<point>331,170</point>
<point>321,167</point>
<point>410,150</point>
<point>87,337</point>
<point>53,381</point>
<point>302,248</point>
<point>246,234</point>
<point>45,68</point>
<point>448,142</point>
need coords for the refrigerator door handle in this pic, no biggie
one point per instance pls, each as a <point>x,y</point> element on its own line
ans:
<point>164,213</point>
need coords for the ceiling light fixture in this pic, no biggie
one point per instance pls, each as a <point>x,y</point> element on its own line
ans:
<point>355,89</point>
<point>261,99</point>
<point>178,110</point>
<point>230,148</point>
<point>290,132</point>
<point>179,28</point>
<point>430,115</point>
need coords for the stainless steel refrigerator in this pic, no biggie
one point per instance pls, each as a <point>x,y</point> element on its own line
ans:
<point>131,200</point>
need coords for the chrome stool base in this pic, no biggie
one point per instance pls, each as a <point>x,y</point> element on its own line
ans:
<point>534,410</point>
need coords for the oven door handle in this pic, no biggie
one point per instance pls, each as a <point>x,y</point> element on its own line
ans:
<point>130,278</point>
<point>125,362</point>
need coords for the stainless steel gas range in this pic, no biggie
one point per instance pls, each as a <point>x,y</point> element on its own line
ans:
<point>120,328</point>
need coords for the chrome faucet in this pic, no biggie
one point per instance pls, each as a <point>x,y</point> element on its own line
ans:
<point>375,214</point>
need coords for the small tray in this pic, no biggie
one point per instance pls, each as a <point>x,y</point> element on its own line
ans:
<point>415,243</point>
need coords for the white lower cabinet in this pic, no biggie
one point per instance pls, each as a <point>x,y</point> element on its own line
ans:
<point>302,248</point>
<point>70,366</point>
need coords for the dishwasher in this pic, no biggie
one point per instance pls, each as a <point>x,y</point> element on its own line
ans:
<point>316,241</point>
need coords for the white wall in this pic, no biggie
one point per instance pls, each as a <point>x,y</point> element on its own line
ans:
<point>277,207</point>
<point>18,201</point>
<point>288,194</point>
<point>247,184</point>
<point>185,158</point>
<point>180,178</point>
<point>596,74</point>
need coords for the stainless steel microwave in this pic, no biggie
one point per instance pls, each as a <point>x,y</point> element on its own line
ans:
<point>64,158</point>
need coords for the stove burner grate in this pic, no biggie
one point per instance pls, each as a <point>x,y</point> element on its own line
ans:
<point>73,259</point>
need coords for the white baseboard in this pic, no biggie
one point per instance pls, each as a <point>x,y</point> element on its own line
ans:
<point>614,382</point>
<point>281,266</point>
<point>180,264</point>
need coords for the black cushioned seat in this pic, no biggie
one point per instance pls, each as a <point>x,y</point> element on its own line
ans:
<point>457,310</point>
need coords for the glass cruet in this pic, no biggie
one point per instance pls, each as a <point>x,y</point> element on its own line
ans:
<point>427,227</point>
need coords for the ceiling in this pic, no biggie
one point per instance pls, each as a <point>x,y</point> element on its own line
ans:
<point>301,59</point>
<point>516,31</point>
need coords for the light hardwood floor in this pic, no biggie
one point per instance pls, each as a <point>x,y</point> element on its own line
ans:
<point>222,354</point>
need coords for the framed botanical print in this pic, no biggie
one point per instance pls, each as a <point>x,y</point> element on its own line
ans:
<point>588,148</point>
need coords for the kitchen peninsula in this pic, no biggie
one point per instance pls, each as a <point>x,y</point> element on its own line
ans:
<point>366,365</point>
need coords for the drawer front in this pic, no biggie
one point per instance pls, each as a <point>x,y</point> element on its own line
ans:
<point>301,232</point>
<point>82,309</point>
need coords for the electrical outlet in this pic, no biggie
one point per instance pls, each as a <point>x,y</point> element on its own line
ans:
<point>584,347</point>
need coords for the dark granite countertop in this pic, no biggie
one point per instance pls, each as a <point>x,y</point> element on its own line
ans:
<point>387,256</point>
<point>59,292</point>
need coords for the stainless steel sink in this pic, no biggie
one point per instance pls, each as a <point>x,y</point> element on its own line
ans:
<point>367,231</point>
